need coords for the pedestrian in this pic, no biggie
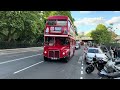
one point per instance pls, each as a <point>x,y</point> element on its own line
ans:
<point>118,52</point>
<point>111,52</point>
<point>115,52</point>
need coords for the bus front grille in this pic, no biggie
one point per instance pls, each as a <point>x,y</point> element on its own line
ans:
<point>54,54</point>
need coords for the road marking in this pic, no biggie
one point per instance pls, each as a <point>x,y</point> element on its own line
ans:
<point>9,53</point>
<point>82,63</point>
<point>81,77</point>
<point>19,59</point>
<point>81,72</point>
<point>79,60</point>
<point>27,67</point>
<point>81,67</point>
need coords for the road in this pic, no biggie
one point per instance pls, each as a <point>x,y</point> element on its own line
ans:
<point>29,64</point>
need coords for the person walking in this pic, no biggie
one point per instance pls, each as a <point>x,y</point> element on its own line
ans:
<point>118,52</point>
<point>111,52</point>
<point>115,52</point>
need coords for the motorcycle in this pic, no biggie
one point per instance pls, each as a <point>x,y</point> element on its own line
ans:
<point>95,63</point>
<point>110,70</point>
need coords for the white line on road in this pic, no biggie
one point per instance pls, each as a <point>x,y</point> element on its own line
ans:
<point>19,59</point>
<point>81,77</point>
<point>82,63</point>
<point>27,67</point>
<point>79,60</point>
<point>81,67</point>
<point>81,72</point>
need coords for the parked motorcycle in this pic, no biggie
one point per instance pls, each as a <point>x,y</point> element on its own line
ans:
<point>95,63</point>
<point>110,70</point>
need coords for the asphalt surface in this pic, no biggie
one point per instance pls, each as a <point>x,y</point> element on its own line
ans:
<point>29,64</point>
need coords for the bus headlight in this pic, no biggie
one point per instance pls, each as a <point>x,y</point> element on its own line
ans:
<point>63,53</point>
<point>45,52</point>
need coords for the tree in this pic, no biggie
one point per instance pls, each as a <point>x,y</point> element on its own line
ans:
<point>25,26</point>
<point>101,34</point>
<point>10,24</point>
<point>88,34</point>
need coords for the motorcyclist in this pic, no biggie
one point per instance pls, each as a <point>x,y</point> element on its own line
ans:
<point>111,52</point>
<point>115,52</point>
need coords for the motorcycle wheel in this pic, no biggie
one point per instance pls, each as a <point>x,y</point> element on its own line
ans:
<point>89,69</point>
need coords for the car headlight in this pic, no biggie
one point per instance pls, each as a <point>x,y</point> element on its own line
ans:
<point>89,57</point>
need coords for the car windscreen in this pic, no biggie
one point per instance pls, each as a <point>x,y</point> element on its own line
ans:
<point>93,51</point>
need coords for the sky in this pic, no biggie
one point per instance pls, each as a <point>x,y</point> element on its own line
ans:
<point>85,21</point>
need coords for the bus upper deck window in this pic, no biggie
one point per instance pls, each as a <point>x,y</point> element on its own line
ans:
<point>62,22</point>
<point>51,22</point>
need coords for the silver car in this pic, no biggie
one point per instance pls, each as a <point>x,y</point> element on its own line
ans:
<point>91,52</point>
<point>77,46</point>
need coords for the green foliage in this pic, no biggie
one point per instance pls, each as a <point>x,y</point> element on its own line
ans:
<point>88,34</point>
<point>25,26</point>
<point>101,34</point>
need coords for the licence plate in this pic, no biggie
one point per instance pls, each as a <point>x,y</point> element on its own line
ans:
<point>54,58</point>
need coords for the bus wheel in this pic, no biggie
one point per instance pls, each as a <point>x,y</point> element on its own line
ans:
<point>67,58</point>
<point>45,58</point>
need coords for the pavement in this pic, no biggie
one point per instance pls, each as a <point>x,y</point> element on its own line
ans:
<point>19,50</point>
<point>29,64</point>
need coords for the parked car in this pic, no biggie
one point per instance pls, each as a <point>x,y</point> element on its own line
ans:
<point>77,46</point>
<point>91,52</point>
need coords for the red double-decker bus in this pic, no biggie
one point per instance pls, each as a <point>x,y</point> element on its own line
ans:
<point>59,38</point>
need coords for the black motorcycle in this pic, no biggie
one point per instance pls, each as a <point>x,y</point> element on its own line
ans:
<point>96,62</point>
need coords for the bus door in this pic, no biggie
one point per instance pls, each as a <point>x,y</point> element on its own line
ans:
<point>71,47</point>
